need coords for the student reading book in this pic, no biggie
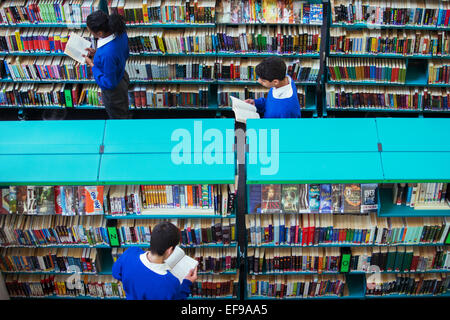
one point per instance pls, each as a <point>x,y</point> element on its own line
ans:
<point>146,276</point>
<point>180,264</point>
<point>282,100</point>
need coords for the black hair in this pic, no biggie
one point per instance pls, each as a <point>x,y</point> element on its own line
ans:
<point>100,21</point>
<point>271,68</point>
<point>163,236</point>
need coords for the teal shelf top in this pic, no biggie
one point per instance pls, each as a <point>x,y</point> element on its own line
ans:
<point>162,135</point>
<point>413,134</point>
<point>324,167</point>
<point>416,166</point>
<point>332,135</point>
<point>389,209</point>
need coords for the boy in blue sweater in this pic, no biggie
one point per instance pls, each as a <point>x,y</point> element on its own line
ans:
<point>145,276</point>
<point>282,99</point>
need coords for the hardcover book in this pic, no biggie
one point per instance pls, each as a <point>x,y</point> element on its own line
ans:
<point>271,198</point>
<point>352,198</point>
<point>289,199</point>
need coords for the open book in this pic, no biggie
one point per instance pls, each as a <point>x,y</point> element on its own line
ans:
<point>243,110</point>
<point>180,264</point>
<point>76,47</point>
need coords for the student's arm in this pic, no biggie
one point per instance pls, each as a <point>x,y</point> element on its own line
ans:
<point>260,104</point>
<point>184,290</point>
<point>108,78</point>
<point>117,268</point>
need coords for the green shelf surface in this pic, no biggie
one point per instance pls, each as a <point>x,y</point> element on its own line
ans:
<point>389,209</point>
<point>325,167</point>
<point>413,134</point>
<point>295,135</point>
<point>162,135</point>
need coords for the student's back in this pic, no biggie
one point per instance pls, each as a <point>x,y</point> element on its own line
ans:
<point>282,102</point>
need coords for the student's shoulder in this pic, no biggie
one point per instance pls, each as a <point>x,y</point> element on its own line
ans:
<point>133,251</point>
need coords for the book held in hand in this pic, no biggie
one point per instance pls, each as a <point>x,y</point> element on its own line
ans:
<point>243,110</point>
<point>76,47</point>
<point>180,264</point>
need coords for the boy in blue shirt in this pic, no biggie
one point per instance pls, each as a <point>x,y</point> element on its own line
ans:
<point>282,99</point>
<point>145,276</point>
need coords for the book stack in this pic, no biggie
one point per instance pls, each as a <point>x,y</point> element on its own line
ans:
<point>395,13</point>
<point>194,232</point>
<point>386,41</point>
<point>400,259</point>
<point>42,11</point>
<point>408,284</point>
<point>216,286</point>
<point>53,230</point>
<point>269,11</point>
<point>60,260</point>
<point>377,97</point>
<point>44,286</point>
<point>367,69</point>
<point>438,72</point>
<point>281,260</point>
<point>422,195</point>
<point>214,260</point>
<point>159,96</point>
<point>313,198</point>
<point>296,286</point>
<point>436,99</point>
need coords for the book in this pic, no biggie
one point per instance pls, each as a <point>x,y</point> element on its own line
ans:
<point>254,198</point>
<point>45,198</point>
<point>271,198</point>
<point>325,198</point>
<point>180,264</point>
<point>314,197</point>
<point>76,47</point>
<point>289,198</point>
<point>4,200</point>
<point>336,198</point>
<point>243,110</point>
<point>352,198</point>
<point>303,202</point>
<point>369,197</point>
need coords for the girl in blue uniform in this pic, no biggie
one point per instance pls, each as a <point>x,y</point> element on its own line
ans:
<point>282,100</point>
<point>108,61</point>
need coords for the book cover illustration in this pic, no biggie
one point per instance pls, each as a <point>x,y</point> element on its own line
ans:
<point>325,198</point>
<point>94,199</point>
<point>369,199</point>
<point>45,200</point>
<point>254,198</point>
<point>289,198</point>
<point>271,198</point>
<point>352,198</point>
<point>314,198</point>
<point>13,199</point>
<point>4,200</point>
<point>21,192</point>
<point>303,198</point>
<point>336,198</point>
<point>31,200</point>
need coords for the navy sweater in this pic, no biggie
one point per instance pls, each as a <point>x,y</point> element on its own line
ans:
<point>109,62</point>
<point>141,283</point>
<point>279,108</point>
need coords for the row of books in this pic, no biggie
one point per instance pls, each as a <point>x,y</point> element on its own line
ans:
<point>279,260</point>
<point>64,260</point>
<point>380,97</point>
<point>367,69</point>
<point>194,232</point>
<point>44,200</point>
<point>389,41</point>
<point>140,199</point>
<point>55,230</point>
<point>313,198</point>
<point>399,259</point>
<point>438,71</point>
<point>225,93</point>
<point>43,11</point>
<point>393,12</point>
<point>296,286</point>
<point>408,284</point>
<point>317,229</point>
<point>210,260</point>
<point>216,286</point>
<point>42,286</point>
<point>417,195</point>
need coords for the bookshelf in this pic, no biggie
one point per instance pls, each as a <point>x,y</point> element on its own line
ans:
<point>381,153</point>
<point>99,153</point>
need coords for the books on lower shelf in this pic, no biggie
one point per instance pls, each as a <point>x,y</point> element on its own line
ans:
<point>429,196</point>
<point>216,286</point>
<point>400,259</point>
<point>438,72</point>
<point>417,284</point>
<point>41,11</point>
<point>297,286</point>
<point>54,230</point>
<point>318,229</point>
<point>386,41</point>
<point>367,69</point>
<point>194,232</point>
<point>394,13</point>
<point>313,198</point>
<point>58,260</point>
<point>63,286</point>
